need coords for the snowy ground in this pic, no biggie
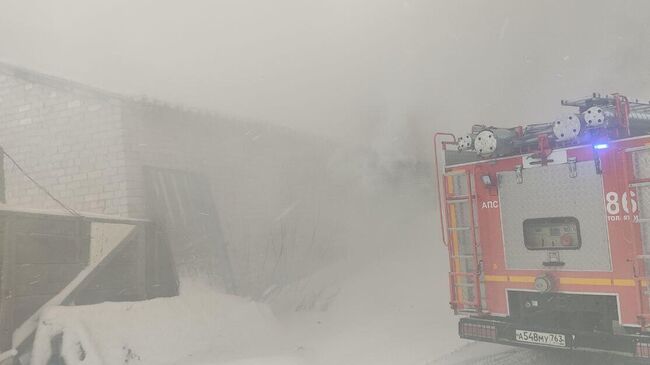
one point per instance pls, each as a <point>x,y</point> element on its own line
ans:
<point>390,299</point>
<point>198,327</point>
<point>387,303</point>
<point>375,319</point>
<point>380,317</point>
<point>491,354</point>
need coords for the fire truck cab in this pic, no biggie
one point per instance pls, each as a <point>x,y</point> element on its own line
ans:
<point>547,227</point>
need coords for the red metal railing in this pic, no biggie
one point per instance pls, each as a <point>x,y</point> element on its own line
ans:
<point>439,183</point>
<point>622,112</point>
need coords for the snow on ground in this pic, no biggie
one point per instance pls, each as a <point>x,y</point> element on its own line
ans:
<point>272,360</point>
<point>481,353</point>
<point>200,327</point>
<point>380,317</point>
<point>484,353</point>
<point>387,303</point>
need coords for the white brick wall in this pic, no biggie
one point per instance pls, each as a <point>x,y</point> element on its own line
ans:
<point>68,139</point>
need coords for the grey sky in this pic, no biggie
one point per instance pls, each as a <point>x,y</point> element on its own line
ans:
<point>339,66</point>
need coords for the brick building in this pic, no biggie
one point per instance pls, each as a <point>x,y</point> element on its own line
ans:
<point>100,152</point>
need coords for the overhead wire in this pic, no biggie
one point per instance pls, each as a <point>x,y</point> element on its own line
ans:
<point>41,187</point>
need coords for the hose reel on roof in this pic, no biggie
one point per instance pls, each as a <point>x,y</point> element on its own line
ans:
<point>567,127</point>
<point>466,142</point>
<point>594,117</point>
<point>494,142</point>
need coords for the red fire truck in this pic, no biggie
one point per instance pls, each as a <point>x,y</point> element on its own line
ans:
<point>548,228</point>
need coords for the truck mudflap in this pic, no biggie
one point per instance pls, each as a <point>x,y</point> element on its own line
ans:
<point>508,333</point>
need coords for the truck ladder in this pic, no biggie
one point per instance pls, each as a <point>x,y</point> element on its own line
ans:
<point>464,250</point>
<point>638,181</point>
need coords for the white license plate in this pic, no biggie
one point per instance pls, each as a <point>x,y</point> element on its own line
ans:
<point>540,338</point>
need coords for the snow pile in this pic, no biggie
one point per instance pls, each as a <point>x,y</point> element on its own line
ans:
<point>200,326</point>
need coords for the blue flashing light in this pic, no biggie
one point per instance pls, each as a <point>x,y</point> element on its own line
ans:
<point>600,146</point>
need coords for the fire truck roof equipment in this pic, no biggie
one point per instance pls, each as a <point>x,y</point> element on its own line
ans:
<point>598,118</point>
